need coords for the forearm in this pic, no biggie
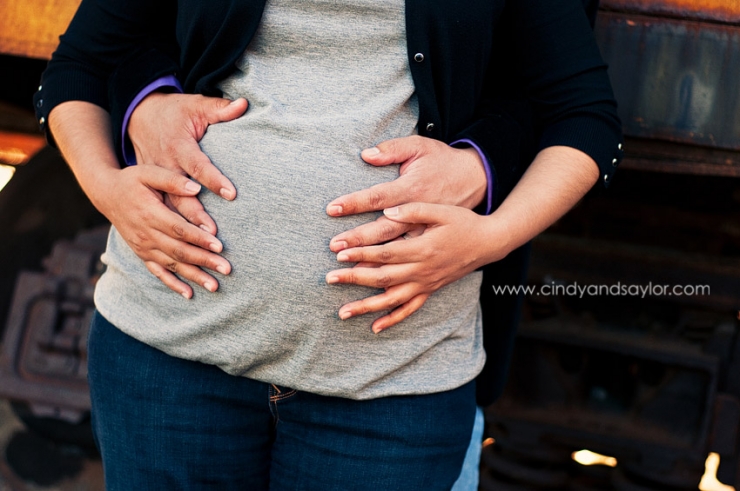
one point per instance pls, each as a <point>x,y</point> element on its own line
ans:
<point>555,181</point>
<point>133,199</point>
<point>82,132</point>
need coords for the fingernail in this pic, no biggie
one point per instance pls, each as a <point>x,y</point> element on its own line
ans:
<point>340,245</point>
<point>376,329</point>
<point>233,102</point>
<point>203,227</point>
<point>215,246</point>
<point>210,286</point>
<point>370,152</point>
<point>342,256</point>
<point>185,294</point>
<point>391,212</point>
<point>226,193</point>
<point>335,210</point>
<point>222,269</point>
<point>332,279</point>
<point>344,315</point>
<point>192,187</point>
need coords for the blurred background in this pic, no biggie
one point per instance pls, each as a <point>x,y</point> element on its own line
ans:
<point>632,387</point>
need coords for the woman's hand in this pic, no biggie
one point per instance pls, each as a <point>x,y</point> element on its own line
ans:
<point>167,243</point>
<point>455,242</point>
<point>431,172</point>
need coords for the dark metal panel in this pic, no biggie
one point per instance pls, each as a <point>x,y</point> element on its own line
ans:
<point>677,158</point>
<point>674,80</point>
<point>595,262</point>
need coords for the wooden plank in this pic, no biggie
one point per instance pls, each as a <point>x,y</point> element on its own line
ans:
<point>31,28</point>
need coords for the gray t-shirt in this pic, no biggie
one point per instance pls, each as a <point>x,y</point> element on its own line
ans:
<point>324,80</point>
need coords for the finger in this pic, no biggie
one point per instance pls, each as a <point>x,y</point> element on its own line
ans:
<point>395,252</point>
<point>383,277</point>
<point>426,213</point>
<point>191,209</point>
<point>178,251</point>
<point>374,198</point>
<point>197,165</point>
<point>191,273</point>
<point>390,299</point>
<point>174,227</point>
<point>219,110</point>
<point>164,180</point>
<point>401,313</point>
<point>394,151</point>
<point>170,280</point>
<point>375,232</point>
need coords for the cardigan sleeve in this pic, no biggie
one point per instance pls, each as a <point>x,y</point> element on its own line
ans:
<point>103,35</point>
<point>548,78</point>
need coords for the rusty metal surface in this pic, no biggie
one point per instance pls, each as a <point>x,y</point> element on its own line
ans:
<point>675,80</point>
<point>653,381</point>
<point>726,11</point>
<point>43,361</point>
<point>649,399</point>
<point>625,386</point>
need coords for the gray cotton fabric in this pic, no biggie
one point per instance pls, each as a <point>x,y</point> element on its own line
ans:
<point>324,80</point>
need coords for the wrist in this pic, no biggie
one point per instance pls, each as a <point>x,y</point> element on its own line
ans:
<point>484,205</point>
<point>498,237</point>
<point>164,85</point>
<point>476,168</point>
<point>101,189</point>
<point>139,112</point>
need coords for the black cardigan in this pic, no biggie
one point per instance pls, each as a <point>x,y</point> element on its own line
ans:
<point>472,62</point>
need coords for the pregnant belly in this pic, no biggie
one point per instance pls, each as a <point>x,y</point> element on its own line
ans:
<point>276,232</point>
<point>274,318</point>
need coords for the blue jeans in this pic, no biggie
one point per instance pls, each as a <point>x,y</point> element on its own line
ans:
<point>164,423</point>
<point>470,474</point>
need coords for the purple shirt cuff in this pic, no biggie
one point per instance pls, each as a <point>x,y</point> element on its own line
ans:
<point>167,81</point>
<point>486,167</point>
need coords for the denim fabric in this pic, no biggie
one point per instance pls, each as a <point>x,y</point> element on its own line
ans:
<point>470,474</point>
<point>164,423</point>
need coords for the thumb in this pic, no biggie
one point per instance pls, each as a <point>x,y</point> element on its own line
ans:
<point>219,110</point>
<point>395,151</point>
<point>426,213</point>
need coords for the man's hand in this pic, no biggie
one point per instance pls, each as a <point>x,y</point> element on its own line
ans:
<point>431,172</point>
<point>165,130</point>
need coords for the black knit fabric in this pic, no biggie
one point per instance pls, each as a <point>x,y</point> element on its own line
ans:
<point>512,75</point>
